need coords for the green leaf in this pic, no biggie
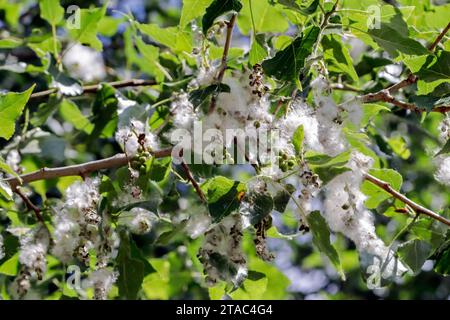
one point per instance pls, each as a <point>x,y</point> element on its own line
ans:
<point>11,266</point>
<point>337,57</point>
<point>11,107</point>
<point>10,43</point>
<point>223,196</point>
<point>399,146</point>
<point>45,110</point>
<point>266,16</point>
<point>217,9</point>
<point>131,270</point>
<point>442,265</point>
<point>429,102</point>
<point>393,37</point>
<point>198,96</point>
<point>51,11</point>
<point>375,194</point>
<point>445,149</point>
<point>297,140</point>
<point>108,26</point>
<point>414,253</point>
<point>159,168</point>
<point>171,37</point>
<point>193,9</point>
<point>327,167</point>
<point>150,62</point>
<point>436,67</point>
<point>69,112</point>
<point>321,239</point>
<point>282,198</point>
<point>104,110</point>
<point>261,205</point>
<point>289,62</point>
<point>369,64</point>
<point>258,51</point>
<point>5,190</point>
<point>305,9</point>
<point>89,21</point>
<point>429,230</point>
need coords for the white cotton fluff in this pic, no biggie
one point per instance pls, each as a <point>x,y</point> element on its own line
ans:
<point>183,112</point>
<point>329,119</point>
<point>138,220</point>
<point>235,100</point>
<point>205,76</point>
<point>301,115</point>
<point>128,137</point>
<point>33,251</point>
<point>444,129</point>
<point>2,251</point>
<point>13,160</point>
<point>354,112</point>
<point>84,63</point>
<point>198,224</point>
<point>344,212</point>
<point>101,281</point>
<point>66,236</point>
<point>83,195</point>
<point>76,221</point>
<point>443,170</point>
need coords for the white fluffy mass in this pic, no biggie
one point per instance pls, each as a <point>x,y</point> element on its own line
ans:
<point>101,281</point>
<point>345,213</point>
<point>134,135</point>
<point>443,170</point>
<point>138,220</point>
<point>84,63</point>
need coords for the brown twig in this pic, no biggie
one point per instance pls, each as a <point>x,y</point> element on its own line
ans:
<point>439,38</point>
<point>397,195</point>
<point>224,64</point>
<point>386,94</point>
<point>83,169</point>
<point>30,205</point>
<point>190,177</point>
<point>95,87</point>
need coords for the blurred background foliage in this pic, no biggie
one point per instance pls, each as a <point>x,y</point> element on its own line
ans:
<point>406,142</point>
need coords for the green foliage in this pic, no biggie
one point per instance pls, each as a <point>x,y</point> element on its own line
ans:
<point>51,11</point>
<point>148,228</point>
<point>377,195</point>
<point>11,107</point>
<point>321,239</point>
<point>223,196</point>
<point>289,62</point>
<point>218,8</point>
<point>131,270</point>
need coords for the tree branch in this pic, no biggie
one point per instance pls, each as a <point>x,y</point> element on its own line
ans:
<point>224,64</point>
<point>192,180</point>
<point>386,94</point>
<point>95,87</point>
<point>397,195</point>
<point>83,169</point>
<point>30,205</point>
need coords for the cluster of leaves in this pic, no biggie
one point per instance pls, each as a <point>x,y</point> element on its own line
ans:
<point>283,36</point>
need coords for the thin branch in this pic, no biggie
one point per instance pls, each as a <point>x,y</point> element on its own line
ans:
<point>397,195</point>
<point>30,205</point>
<point>439,38</point>
<point>224,64</point>
<point>83,169</point>
<point>95,87</point>
<point>384,94</point>
<point>192,180</point>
